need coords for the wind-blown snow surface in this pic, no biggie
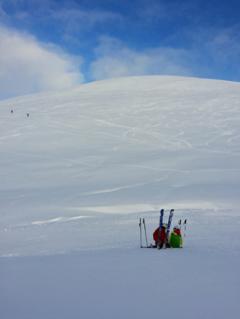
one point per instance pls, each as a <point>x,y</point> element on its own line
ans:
<point>85,165</point>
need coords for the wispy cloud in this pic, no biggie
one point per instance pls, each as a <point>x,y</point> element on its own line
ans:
<point>28,66</point>
<point>211,53</point>
<point>70,23</point>
<point>114,58</point>
<point>70,16</point>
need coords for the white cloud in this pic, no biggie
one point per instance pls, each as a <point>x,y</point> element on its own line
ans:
<point>28,66</point>
<point>115,59</point>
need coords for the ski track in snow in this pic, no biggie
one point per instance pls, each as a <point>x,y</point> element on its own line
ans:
<point>117,189</point>
<point>58,219</point>
<point>55,220</point>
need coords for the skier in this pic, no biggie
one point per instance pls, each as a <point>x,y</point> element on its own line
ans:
<point>176,238</point>
<point>159,236</point>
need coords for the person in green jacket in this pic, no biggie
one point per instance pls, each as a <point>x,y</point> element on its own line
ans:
<point>176,238</point>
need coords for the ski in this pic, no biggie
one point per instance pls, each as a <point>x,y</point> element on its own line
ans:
<point>145,230</point>
<point>161,218</point>
<point>168,228</point>
<point>160,224</point>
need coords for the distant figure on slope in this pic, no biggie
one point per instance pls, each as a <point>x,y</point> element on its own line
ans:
<point>176,238</point>
<point>27,114</point>
<point>11,111</point>
<point>159,236</point>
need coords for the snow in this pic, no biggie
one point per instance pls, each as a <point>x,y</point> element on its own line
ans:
<point>77,174</point>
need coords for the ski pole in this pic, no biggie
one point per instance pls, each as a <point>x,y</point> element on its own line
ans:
<point>185,227</point>
<point>140,229</point>
<point>180,224</point>
<point>144,224</point>
<point>169,228</point>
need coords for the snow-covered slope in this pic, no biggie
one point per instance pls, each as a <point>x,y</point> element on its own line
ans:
<point>79,171</point>
<point>123,145</point>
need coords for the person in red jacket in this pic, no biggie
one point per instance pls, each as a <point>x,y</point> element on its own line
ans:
<point>159,236</point>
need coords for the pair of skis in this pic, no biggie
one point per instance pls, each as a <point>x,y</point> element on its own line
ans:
<point>142,222</point>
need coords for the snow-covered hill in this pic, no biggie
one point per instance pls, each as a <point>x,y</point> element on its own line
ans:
<point>85,164</point>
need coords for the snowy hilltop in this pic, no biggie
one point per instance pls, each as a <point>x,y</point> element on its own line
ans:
<point>78,169</point>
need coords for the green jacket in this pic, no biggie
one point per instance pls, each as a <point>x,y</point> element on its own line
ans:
<point>176,240</point>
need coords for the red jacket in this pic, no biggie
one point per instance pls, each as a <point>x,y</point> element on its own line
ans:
<point>159,236</point>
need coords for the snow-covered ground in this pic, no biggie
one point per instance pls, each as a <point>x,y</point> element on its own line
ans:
<point>77,174</point>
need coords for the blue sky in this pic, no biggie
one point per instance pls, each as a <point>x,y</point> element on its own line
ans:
<point>50,44</point>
